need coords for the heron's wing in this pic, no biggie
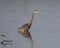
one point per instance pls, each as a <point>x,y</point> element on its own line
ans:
<point>25,27</point>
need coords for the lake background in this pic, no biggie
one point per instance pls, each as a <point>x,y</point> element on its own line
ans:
<point>45,29</point>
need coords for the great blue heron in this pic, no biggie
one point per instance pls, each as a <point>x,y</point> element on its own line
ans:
<point>24,30</point>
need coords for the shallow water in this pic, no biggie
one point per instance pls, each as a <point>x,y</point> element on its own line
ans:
<point>45,29</point>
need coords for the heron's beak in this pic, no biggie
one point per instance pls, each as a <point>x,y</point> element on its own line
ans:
<point>36,12</point>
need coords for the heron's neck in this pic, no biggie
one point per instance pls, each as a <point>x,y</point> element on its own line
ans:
<point>31,19</point>
<point>32,16</point>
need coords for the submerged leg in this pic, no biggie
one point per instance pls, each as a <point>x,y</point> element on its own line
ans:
<point>28,36</point>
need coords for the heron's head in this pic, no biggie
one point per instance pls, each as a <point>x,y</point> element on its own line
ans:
<point>35,12</point>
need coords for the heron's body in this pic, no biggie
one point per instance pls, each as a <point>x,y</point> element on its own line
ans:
<point>24,30</point>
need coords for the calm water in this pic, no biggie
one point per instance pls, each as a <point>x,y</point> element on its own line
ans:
<point>45,29</point>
